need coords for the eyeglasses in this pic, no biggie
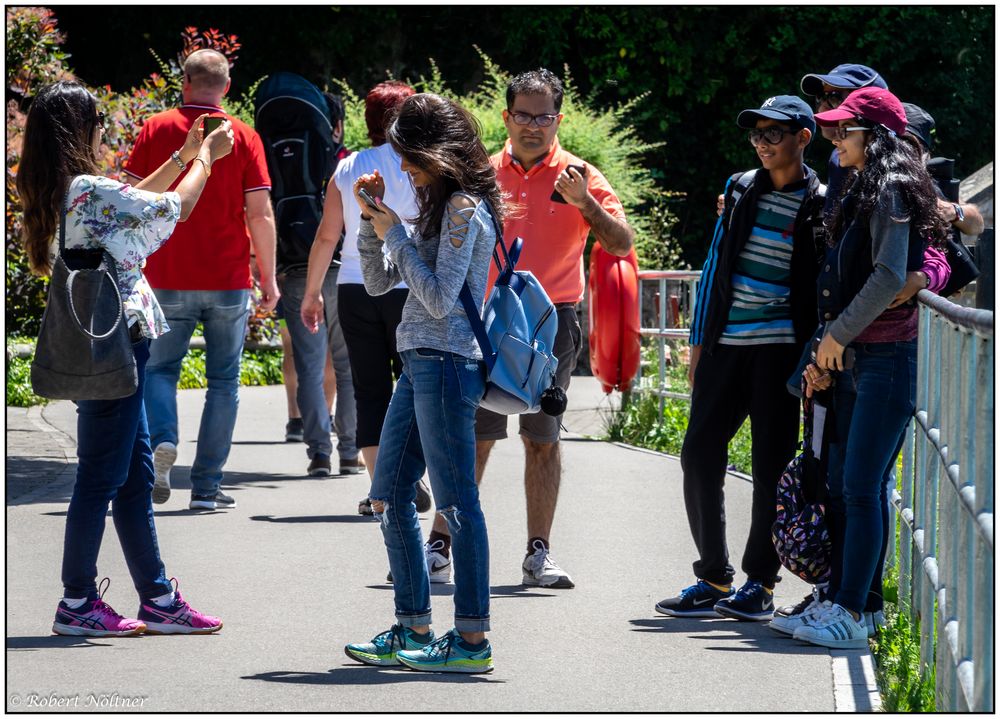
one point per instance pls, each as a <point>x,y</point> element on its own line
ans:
<point>771,135</point>
<point>833,99</point>
<point>840,133</point>
<point>525,118</point>
<point>100,122</point>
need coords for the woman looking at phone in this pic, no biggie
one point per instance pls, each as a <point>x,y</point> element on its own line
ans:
<point>878,232</point>
<point>58,183</point>
<point>431,418</point>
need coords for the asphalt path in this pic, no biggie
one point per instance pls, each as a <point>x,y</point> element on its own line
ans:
<point>296,573</point>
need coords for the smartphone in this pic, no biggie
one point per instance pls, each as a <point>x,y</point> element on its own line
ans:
<point>556,197</point>
<point>848,354</point>
<point>369,200</point>
<point>211,124</point>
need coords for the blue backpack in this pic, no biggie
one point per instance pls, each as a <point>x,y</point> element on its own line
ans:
<point>517,334</point>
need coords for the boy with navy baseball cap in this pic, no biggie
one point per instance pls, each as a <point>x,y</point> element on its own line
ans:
<point>755,310</point>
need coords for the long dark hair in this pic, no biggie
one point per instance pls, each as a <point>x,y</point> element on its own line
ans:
<point>443,139</point>
<point>57,147</point>
<point>888,160</point>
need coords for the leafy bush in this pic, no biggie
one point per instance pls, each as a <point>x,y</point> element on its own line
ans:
<point>602,137</point>
<point>19,392</point>
<point>257,368</point>
<point>34,58</point>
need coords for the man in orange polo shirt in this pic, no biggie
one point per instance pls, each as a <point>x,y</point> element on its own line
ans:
<point>529,168</point>
<point>203,276</point>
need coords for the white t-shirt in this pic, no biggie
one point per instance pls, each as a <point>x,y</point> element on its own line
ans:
<point>399,196</point>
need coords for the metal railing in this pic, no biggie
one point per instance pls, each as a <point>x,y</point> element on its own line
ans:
<point>671,311</point>
<point>945,505</point>
<point>944,499</point>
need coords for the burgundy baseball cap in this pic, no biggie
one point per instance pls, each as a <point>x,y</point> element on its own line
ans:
<point>875,104</point>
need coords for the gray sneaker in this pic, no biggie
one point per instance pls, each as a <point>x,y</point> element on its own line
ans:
<point>164,457</point>
<point>219,500</point>
<point>539,570</point>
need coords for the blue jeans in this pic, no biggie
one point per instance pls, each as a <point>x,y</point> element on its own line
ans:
<point>115,464</point>
<point>309,353</point>
<point>870,426</point>
<point>431,423</point>
<point>223,315</point>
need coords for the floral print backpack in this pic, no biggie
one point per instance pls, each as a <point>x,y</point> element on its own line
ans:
<point>799,532</point>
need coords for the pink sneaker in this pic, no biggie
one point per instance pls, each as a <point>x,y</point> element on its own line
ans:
<point>95,619</point>
<point>179,618</point>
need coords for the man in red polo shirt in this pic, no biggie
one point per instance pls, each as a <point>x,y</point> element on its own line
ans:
<point>529,168</point>
<point>203,275</point>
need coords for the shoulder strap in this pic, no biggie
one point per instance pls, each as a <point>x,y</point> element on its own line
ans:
<point>465,294</point>
<point>62,224</point>
<point>738,185</point>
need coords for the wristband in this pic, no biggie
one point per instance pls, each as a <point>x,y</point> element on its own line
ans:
<point>176,157</point>
<point>959,212</point>
<point>208,168</point>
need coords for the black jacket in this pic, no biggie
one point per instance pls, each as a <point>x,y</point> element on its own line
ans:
<point>808,247</point>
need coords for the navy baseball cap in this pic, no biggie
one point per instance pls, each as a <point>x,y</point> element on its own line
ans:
<point>920,124</point>
<point>843,77</point>
<point>784,108</point>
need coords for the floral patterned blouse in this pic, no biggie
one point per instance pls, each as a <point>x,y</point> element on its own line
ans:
<point>130,224</point>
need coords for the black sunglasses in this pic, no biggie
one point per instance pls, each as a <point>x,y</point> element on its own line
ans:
<point>832,98</point>
<point>526,118</point>
<point>771,135</point>
<point>100,121</point>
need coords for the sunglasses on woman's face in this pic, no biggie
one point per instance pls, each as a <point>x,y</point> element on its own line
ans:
<point>840,133</point>
<point>100,122</point>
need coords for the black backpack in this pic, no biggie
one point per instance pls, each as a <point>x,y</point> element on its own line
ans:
<point>292,117</point>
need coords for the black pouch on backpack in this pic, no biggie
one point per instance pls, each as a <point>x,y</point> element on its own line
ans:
<point>84,350</point>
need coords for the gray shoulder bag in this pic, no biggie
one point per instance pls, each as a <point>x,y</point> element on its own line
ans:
<point>84,350</point>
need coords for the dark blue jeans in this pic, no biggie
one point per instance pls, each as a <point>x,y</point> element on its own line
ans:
<point>115,465</point>
<point>431,423</point>
<point>873,404</point>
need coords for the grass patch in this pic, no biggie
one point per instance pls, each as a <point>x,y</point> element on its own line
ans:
<point>639,423</point>
<point>257,368</point>
<point>903,684</point>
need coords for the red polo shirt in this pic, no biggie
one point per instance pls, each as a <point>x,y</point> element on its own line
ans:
<point>211,250</point>
<point>554,233</point>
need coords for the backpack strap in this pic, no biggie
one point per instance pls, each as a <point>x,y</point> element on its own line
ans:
<point>465,294</point>
<point>739,184</point>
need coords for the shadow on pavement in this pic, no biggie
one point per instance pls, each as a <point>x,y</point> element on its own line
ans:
<point>437,589</point>
<point>752,636</point>
<point>365,675</point>
<point>515,590</point>
<point>314,519</point>
<point>27,480</point>
<point>54,641</point>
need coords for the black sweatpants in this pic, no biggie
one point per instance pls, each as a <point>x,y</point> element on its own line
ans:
<point>731,383</point>
<point>369,325</point>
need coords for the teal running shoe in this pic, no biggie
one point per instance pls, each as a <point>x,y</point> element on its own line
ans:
<point>382,650</point>
<point>447,655</point>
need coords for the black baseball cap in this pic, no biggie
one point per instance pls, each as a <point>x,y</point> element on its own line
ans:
<point>843,77</point>
<point>920,124</point>
<point>784,108</point>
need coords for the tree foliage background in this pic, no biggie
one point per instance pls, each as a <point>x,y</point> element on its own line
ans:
<point>701,65</point>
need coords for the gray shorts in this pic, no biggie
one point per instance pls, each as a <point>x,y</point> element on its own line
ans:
<point>540,427</point>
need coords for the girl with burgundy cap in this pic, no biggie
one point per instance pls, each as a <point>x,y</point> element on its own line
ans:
<point>878,232</point>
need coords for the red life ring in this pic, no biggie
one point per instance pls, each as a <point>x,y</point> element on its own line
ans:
<point>614,318</point>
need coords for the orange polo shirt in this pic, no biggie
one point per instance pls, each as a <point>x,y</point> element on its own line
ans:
<point>554,233</point>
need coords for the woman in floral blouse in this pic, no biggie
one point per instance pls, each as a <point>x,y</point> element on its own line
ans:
<point>57,182</point>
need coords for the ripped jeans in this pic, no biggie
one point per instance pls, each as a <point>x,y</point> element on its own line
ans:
<point>431,424</point>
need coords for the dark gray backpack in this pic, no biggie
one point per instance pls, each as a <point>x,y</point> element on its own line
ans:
<point>84,350</point>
